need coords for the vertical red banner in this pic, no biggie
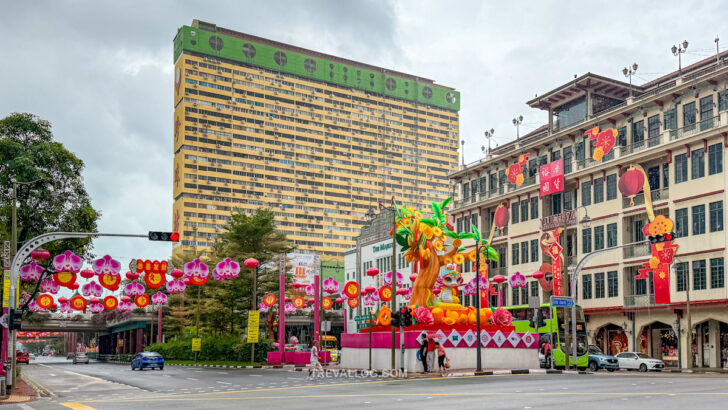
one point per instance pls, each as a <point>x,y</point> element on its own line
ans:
<point>661,278</point>
<point>556,278</point>
<point>552,177</point>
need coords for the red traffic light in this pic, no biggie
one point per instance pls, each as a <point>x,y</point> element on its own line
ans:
<point>174,237</point>
<point>163,236</point>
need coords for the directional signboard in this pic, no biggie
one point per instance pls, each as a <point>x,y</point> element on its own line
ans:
<point>562,301</point>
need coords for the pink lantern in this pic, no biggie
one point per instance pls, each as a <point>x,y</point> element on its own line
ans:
<point>62,300</point>
<point>297,285</point>
<point>372,271</point>
<point>40,254</point>
<point>309,290</point>
<point>401,291</point>
<point>311,301</point>
<point>499,279</point>
<point>67,262</point>
<point>125,299</point>
<point>339,300</point>
<point>251,263</point>
<point>106,266</point>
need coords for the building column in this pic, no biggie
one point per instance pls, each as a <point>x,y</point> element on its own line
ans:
<point>714,342</point>
<point>140,340</point>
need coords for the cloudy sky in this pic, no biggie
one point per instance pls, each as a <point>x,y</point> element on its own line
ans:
<point>101,71</point>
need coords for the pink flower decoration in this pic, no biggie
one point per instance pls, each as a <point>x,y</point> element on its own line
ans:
<point>31,272</point>
<point>289,308</point>
<point>330,285</point>
<point>226,269</point>
<point>33,307</point>
<point>124,307</point>
<point>65,308</point>
<point>408,294</point>
<point>196,268</point>
<point>501,317</point>
<point>388,278</point>
<point>24,297</point>
<point>67,262</point>
<point>517,280</point>
<point>423,316</point>
<point>309,290</point>
<point>96,308</point>
<point>92,289</point>
<point>469,289</point>
<point>176,286</point>
<point>371,299</point>
<point>134,289</point>
<point>49,286</point>
<point>159,298</point>
<point>106,266</point>
<point>262,307</point>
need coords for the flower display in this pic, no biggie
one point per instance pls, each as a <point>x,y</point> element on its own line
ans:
<point>371,298</point>
<point>330,285</point>
<point>31,272</point>
<point>262,307</point>
<point>176,286</point>
<point>65,308</point>
<point>501,317</point>
<point>423,316</point>
<point>124,307</point>
<point>33,307</point>
<point>67,261</point>
<point>96,308</point>
<point>49,285</point>
<point>388,278</point>
<point>517,280</point>
<point>197,272</point>
<point>226,269</point>
<point>310,290</point>
<point>134,289</point>
<point>289,308</point>
<point>106,265</point>
<point>91,289</point>
<point>159,298</point>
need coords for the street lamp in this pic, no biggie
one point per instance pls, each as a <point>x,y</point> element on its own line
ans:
<point>462,152</point>
<point>489,135</point>
<point>517,122</point>
<point>677,51</point>
<point>628,72</point>
<point>586,220</point>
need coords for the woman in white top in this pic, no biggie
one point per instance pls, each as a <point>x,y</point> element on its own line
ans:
<point>314,364</point>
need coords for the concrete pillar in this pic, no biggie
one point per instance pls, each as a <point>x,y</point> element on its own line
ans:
<point>139,340</point>
<point>714,342</point>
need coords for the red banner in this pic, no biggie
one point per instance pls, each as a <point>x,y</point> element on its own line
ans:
<point>552,177</point>
<point>556,276</point>
<point>661,278</point>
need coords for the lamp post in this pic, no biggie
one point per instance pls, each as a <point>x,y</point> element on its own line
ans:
<point>462,152</point>
<point>628,72</point>
<point>517,122</point>
<point>677,51</point>
<point>489,135</point>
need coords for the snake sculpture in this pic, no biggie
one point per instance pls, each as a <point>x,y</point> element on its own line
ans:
<point>450,280</point>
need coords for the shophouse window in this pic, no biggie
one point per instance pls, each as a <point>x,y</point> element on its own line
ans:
<point>515,299</point>
<point>653,130</point>
<point>524,252</point>
<point>534,207</point>
<point>612,284</point>
<point>586,240</point>
<point>665,175</point>
<point>611,187</point>
<point>586,193</point>
<point>681,223</point>
<point>579,150</point>
<point>534,289</point>
<point>524,210</point>
<point>483,185</point>
<point>723,100</point>
<point>681,168</point>
<point>670,118</point>
<point>586,287</point>
<point>715,159</point>
<point>555,155</point>
<point>716,216</point>
<point>598,190</point>
<point>698,164</point>
<point>568,200</point>
<point>556,204</point>
<point>599,237</point>
<point>514,213</point>
<point>717,274</point>
<point>474,188</point>
<point>699,275</point>
<point>706,112</point>
<point>460,224</point>
<point>689,116</point>
<point>599,285</point>
<point>514,254</point>
<point>698,219</point>
<point>638,133</point>
<point>466,190</point>
<point>641,287</point>
<point>622,136</point>
<point>568,156</point>
<point>611,235</point>
<point>681,269</point>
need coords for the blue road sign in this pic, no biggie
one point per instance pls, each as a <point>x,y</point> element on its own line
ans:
<point>562,302</point>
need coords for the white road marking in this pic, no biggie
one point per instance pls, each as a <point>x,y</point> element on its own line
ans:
<point>260,375</point>
<point>190,378</point>
<point>25,406</point>
<point>217,381</point>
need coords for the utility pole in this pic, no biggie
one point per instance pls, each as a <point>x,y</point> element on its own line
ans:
<point>253,307</point>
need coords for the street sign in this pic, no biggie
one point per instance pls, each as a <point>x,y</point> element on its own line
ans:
<point>253,326</point>
<point>361,318</point>
<point>196,344</point>
<point>562,302</point>
<point>326,326</point>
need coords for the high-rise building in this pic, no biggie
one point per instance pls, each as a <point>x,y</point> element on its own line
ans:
<point>317,138</point>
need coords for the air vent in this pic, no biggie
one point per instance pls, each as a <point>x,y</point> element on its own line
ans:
<point>216,43</point>
<point>391,84</point>
<point>280,58</point>
<point>249,50</point>
<point>427,92</point>
<point>310,65</point>
<point>450,98</point>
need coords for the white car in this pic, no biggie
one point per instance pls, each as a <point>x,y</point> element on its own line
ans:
<point>639,361</point>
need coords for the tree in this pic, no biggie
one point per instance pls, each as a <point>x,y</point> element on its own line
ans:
<point>58,201</point>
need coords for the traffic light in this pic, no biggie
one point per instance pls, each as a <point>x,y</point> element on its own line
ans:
<point>406,317</point>
<point>397,319</point>
<point>661,238</point>
<point>537,320</point>
<point>14,319</point>
<point>163,236</point>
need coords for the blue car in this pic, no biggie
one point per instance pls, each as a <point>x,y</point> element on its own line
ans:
<point>599,360</point>
<point>145,360</point>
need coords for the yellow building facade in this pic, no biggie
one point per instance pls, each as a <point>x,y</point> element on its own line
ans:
<point>316,138</point>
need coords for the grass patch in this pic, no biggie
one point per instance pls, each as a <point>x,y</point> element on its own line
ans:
<point>210,362</point>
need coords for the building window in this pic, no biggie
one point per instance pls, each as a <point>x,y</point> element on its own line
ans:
<point>681,168</point>
<point>622,136</point>
<point>640,285</point>
<point>698,164</point>
<point>586,239</point>
<point>715,159</point>
<point>717,274</point>
<point>665,175</point>
<point>612,284</point>
<point>586,193</point>
<point>524,210</point>
<point>611,235</point>
<point>534,207</point>
<point>474,188</point>
<point>706,112</point>
<point>524,296</point>
<point>567,159</point>
<point>556,204</point>
<point>723,100</point>
<point>514,254</point>
<point>638,133</point>
<point>514,213</point>
<point>689,116</point>
<point>466,190</point>
<point>568,202</point>
<point>670,118</point>
<point>483,186</point>
<point>698,219</point>
<point>681,269</point>
<point>611,187</point>
<point>716,216</point>
<point>699,275</point>
<point>598,190</point>
<point>534,289</point>
<point>474,220</point>
<point>599,285</point>
<point>524,252</point>
<point>534,250</point>
<point>493,182</point>
<point>460,224</point>
<point>579,150</point>
<point>653,130</point>
<point>599,237</point>
<point>586,287</point>
<point>681,222</point>
<point>514,295</point>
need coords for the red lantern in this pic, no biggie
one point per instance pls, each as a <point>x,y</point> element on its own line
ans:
<point>372,271</point>
<point>270,299</point>
<point>385,293</point>
<point>142,301</point>
<point>413,278</point>
<point>110,282</point>
<point>132,275</point>
<point>339,300</point>
<point>311,301</point>
<point>402,291</point>
<point>87,274</point>
<point>251,263</point>
<point>299,302</point>
<point>186,281</point>
<point>499,279</point>
<point>110,303</point>
<point>62,300</point>
<point>286,300</point>
<point>353,303</point>
<point>298,285</point>
<point>501,217</point>
<point>40,254</point>
<point>78,303</point>
<point>351,289</point>
<point>177,273</point>
<point>94,300</point>
<point>73,286</point>
<point>631,183</point>
<point>537,275</point>
<point>125,298</point>
<point>370,289</point>
<point>45,301</point>
<point>327,303</point>
<point>64,278</point>
<point>155,280</point>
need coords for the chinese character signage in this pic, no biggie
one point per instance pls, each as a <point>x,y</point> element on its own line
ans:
<point>552,177</point>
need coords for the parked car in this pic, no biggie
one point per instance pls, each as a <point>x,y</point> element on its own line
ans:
<point>145,360</point>
<point>639,361</point>
<point>80,358</point>
<point>599,360</point>
<point>22,357</point>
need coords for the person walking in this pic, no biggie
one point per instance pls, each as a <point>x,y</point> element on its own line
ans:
<point>431,354</point>
<point>314,365</point>
<point>441,359</point>
<point>423,352</point>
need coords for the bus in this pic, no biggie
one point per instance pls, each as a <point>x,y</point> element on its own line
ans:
<point>523,321</point>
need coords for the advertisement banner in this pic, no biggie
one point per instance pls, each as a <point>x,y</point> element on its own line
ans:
<point>304,267</point>
<point>552,177</point>
<point>253,326</point>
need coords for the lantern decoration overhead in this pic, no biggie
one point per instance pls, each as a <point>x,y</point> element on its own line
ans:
<point>270,299</point>
<point>92,289</point>
<point>197,272</point>
<point>142,301</point>
<point>132,275</point>
<point>49,285</point>
<point>124,307</point>
<point>351,289</point>
<point>45,301</point>
<point>87,274</point>
<point>31,272</point>
<point>40,254</point>
<point>388,278</point>
<point>159,298</point>
<point>73,286</point>
<point>286,300</point>
<point>65,308</point>
<point>311,301</point>
<point>330,285</point>
<point>327,303</point>
<point>177,273</point>
<point>155,280</point>
<point>65,278</point>
<point>353,303</point>
<point>110,282</point>
<point>226,269</point>
<point>407,294</point>
<point>501,217</point>
<point>78,302</point>
<point>251,263</point>
<point>515,171</point>
<point>631,183</point>
<point>96,307</point>
<point>517,280</point>
<point>385,293</point>
<point>299,302</point>
<point>176,286</point>
<point>33,306</point>
<point>372,271</point>
<point>125,298</point>
<point>603,142</point>
<point>369,290</point>
<point>110,302</point>
<point>289,308</point>
<point>106,266</point>
<point>310,290</point>
<point>413,277</point>
<point>134,289</point>
<point>67,261</point>
<point>339,300</point>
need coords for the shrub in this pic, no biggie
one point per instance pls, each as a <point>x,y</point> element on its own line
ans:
<point>228,348</point>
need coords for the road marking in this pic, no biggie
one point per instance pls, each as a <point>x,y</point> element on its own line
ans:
<point>25,406</point>
<point>260,375</point>
<point>83,375</point>
<point>190,378</point>
<point>217,381</point>
<point>76,406</point>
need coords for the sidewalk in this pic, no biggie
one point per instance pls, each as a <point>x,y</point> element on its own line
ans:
<point>21,393</point>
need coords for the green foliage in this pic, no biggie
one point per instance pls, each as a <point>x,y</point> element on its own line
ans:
<point>228,348</point>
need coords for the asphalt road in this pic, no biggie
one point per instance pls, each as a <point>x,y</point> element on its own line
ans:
<point>109,386</point>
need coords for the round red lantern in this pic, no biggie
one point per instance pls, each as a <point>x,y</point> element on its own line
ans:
<point>132,275</point>
<point>270,299</point>
<point>327,303</point>
<point>62,300</point>
<point>372,271</point>
<point>499,279</point>
<point>197,280</point>
<point>339,300</point>
<point>351,289</point>
<point>370,289</point>
<point>251,263</point>
<point>45,301</point>
<point>78,303</point>
<point>311,301</point>
<point>286,299</point>
<point>186,281</point>
<point>125,298</point>
<point>110,303</point>
<point>299,302</point>
<point>177,273</point>
<point>353,303</point>
<point>402,291</point>
<point>40,254</point>
<point>631,183</point>
<point>413,277</point>
<point>501,217</point>
<point>64,278</point>
<point>142,300</point>
<point>110,282</point>
<point>87,274</point>
<point>537,275</point>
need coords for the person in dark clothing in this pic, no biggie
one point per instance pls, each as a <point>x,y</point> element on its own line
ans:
<point>423,352</point>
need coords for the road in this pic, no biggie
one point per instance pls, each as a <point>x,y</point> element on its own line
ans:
<point>110,386</point>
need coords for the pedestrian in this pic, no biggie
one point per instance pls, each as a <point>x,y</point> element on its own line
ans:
<point>441,358</point>
<point>431,356</point>
<point>423,351</point>
<point>547,350</point>
<point>314,364</point>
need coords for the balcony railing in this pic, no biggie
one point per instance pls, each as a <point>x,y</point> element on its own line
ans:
<point>636,249</point>
<point>497,271</point>
<point>639,300</point>
<point>692,129</point>
<point>656,195</point>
